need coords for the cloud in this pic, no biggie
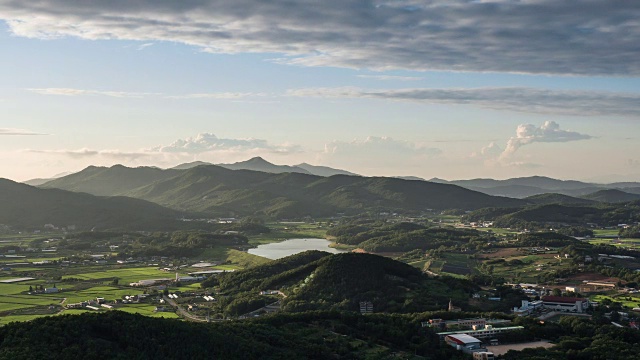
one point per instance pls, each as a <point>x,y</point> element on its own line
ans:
<point>518,99</point>
<point>89,153</point>
<point>13,131</point>
<point>144,46</point>
<point>207,142</point>
<point>391,77</point>
<point>582,37</point>
<point>81,92</point>
<point>488,152</point>
<point>218,96</point>
<point>547,133</point>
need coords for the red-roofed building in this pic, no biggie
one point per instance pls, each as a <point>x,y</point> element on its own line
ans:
<point>566,304</point>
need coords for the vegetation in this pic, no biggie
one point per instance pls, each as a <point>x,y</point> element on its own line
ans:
<point>216,191</point>
<point>401,237</point>
<point>317,335</point>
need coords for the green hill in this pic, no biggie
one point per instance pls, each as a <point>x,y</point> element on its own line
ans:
<point>109,181</point>
<point>552,198</point>
<point>402,237</point>
<point>26,207</point>
<point>218,191</point>
<point>316,280</point>
<point>612,196</point>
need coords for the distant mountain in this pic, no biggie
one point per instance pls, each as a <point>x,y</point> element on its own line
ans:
<point>110,181</point>
<point>544,199</point>
<point>217,191</point>
<point>514,191</point>
<point>190,165</point>
<point>260,164</point>
<point>535,185</point>
<point>612,196</point>
<point>541,182</point>
<point>26,207</point>
<point>40,181</point>
<point>323,170</point>
<point>412,178</point>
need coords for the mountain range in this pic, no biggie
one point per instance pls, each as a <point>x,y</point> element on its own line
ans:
<point>217,191</point>
<point>260,164</point>
<point>536,185</point>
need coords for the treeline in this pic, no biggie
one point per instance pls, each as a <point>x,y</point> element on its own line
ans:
<point>579,339</point>
<point>313,335</point>
<point>401,237</point>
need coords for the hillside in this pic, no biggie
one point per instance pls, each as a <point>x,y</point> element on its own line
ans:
<point>109,181</point>
<point>316,280</point>
<point>612,196</point>
<point>559,215</point>
<point>26,207</point>
<point>216,191</point>
<point>318,335</point>
<point>323,170</point>
<point>260,164</point>
<point>401,237</point>
<point>544,199</point>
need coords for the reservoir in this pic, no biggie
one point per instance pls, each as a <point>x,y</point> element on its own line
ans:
<point>290,247</point>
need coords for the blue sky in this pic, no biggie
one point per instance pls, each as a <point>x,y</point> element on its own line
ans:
<point>451,89</point>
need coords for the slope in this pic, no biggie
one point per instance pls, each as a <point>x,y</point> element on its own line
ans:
<point>612,196</point>
<point>26,207</point>
<point>110,181</point>
<point>316,280</point>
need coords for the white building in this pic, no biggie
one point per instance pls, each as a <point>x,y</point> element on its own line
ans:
<point>565,304</point>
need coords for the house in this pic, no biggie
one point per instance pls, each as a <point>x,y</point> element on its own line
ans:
<point>52,290</point>
<point>565,304</point>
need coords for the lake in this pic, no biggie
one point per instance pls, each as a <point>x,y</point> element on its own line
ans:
<point>290,247</point>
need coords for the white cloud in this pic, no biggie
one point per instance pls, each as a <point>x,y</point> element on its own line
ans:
<point>144,46</point>
<point>14,131</point>
<point>391,77</point>
<point>490,151</point>
<point>518,99</point>
<point>583,37</point>
<point>218,96</point>
<point>82,92</point>
<point>547,133</point>
<point>207,142</point>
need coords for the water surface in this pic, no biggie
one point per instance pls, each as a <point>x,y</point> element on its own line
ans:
<point>291,247</point>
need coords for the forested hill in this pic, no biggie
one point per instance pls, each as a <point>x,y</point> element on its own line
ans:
<point>217,191</point>
<point>316,280</point>
<point>26,207</point>
<point>316,335</point>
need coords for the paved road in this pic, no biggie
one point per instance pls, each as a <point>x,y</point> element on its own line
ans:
<point>182,312</point>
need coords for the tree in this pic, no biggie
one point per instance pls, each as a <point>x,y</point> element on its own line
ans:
<point>556,292</point>
<point>30,288</point>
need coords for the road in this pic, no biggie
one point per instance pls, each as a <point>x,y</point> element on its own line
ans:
<point>182,312</point>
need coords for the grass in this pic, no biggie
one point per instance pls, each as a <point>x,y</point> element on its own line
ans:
<point>146,310</point>
<point>126,275</point>
<point>244,259</point>
<point>622,298</point>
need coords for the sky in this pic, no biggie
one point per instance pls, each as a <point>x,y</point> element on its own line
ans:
<point>454,89</point>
